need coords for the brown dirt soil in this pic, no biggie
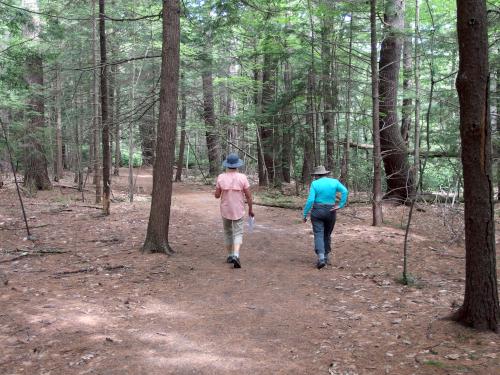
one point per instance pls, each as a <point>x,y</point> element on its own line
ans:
<point>82,299</point>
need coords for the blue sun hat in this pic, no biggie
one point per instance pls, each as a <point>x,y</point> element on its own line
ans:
<point>233,161</point>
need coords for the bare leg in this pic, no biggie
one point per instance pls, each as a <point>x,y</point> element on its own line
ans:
<point>236,249</point>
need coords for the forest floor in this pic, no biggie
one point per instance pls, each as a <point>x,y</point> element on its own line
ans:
<point>82,298</point>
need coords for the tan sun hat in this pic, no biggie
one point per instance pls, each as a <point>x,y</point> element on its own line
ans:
<point>320,170</point>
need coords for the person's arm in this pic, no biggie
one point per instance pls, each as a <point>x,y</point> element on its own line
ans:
<point>248,196</point>
<point>218,190</point>
<point>309,202</point>
<point>343,190</point>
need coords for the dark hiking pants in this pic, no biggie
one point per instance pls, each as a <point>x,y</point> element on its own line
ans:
<point>323,221</point>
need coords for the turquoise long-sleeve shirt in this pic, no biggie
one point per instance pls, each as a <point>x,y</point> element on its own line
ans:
<point>324,190</point>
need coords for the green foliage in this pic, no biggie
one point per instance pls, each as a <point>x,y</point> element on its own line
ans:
<point>136,158</point>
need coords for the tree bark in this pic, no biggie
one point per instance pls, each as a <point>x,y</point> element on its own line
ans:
<point>96,118</point>
<point>78,146</point>
<point>344,172</point>
<point>106,154</point>
<point>416,153</point>
<point>36,176</point>
<point>268,99</point>
<point>287,121</point>
<point>497,121</point>
<point>377,158</point>
<point>327,90</point>
<point>159,217</point>
<point>59,141</point>
<point>211,135</point>
<point>406,111</point>
<point>261,168</point>
<point>480,308</point>
<point>308,134</point>
<point>182,143</point>
<point>146,129</point>
<point>116,127</point>
<point>398,176</point>
<point>112,120</point>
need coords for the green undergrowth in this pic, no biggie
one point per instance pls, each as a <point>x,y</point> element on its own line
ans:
<point>278,199</point>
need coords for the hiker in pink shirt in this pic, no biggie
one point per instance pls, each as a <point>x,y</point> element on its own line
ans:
<point>233,187</point>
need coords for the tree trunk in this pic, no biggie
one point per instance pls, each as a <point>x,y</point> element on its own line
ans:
<point>36,176</point>
<point>268,99</point>
<point>416,153</point>
<point>394,151</point>
<point>406,111</point>
<point>106,154</point>
<point>344,173</point>
<point>112,120</point>
<point>78,147</point>
<point>182,144</point>
<point>497,121</point>
<point>480,308</point>
<point>263,177</point>
<point>159,218</point>
<point>59,141</point>
<point>287,121</point>
<point>327,93</point>
<point>131,144</point>
<point>146,129</point>
<point>116,128</point>
<point>95,127</point>
<point>211,135</point>
<point>308,134</point>
<point>377,158</point>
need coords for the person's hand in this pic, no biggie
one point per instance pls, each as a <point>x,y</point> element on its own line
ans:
<point>250,213</point>
<point>335,207</point>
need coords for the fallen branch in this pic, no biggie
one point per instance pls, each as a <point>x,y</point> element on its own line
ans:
<point>87,206</point>
<point>71,187</point>
<point>110,240</point>
<point>33,253</point>
<point>38,226</point>
<point>90,269</point>
<point>278,205</point>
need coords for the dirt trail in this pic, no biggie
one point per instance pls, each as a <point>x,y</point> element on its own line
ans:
<point>102,307</point>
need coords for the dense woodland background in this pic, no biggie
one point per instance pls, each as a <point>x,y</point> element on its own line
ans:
<point>284,83</point>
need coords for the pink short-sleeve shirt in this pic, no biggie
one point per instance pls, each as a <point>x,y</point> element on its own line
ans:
<point>232,203</point>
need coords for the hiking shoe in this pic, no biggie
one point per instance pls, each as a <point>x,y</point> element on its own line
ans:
<point>229,259</point>
<point>236,262</point>
<point>321,264</point>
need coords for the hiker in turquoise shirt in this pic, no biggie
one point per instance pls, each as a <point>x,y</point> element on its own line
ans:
<point>322,200</point>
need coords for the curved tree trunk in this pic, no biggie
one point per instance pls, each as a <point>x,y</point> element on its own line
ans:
<point>159,217</point>
<point>480,308</point>
<point>394,151</point>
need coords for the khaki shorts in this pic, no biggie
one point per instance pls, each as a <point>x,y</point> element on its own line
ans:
<point>233,231</point>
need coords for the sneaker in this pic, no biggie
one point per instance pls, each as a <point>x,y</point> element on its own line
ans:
<point>321,264</point>
<point>236,262</point>
<point>229,259</point>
